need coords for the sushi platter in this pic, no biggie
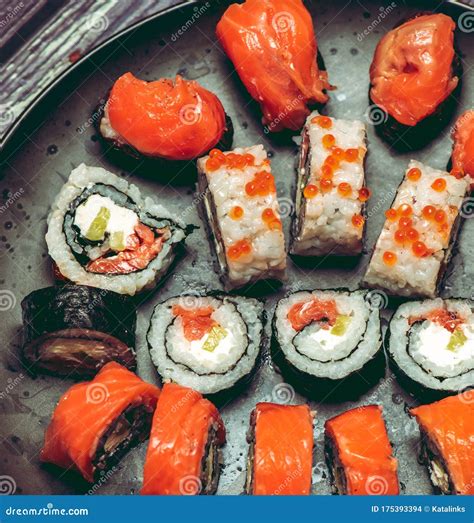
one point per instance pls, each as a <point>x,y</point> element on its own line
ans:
<point>236,255</point>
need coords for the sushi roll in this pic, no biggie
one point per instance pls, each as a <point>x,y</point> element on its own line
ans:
<point>414,247</point>
<point>184,453</point>
<point>447,442</point>
<point>73,330</point>
<point>462,158</point>
<point>323,339</point>
<point>274,51</point>
<point>330,191</point>
<point>95,423</point>
<point>280,457</point>
<point>241,208</point>
<point>102,233</point>
<point>432,346</point>
<point>172,120</point>
<point>208,343</point>
<point>414,77</point>
<point>359,454</point>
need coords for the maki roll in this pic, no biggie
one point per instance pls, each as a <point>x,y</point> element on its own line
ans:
<point>414,247</point>
<point>358,464</point>
<point>330,191</point>
<point>102,233</point>
<point>172,120</point>
<point>414,77</point>
<point>280,457</point>
<point>274,51</point>
<point>208,343</point>
<point>432,346</point>
<point>447,442</point>
<point>322,339</point>
<point>95,423</point>
<point>184,453</point>
<point>73,330</point>
<point>462,158</point>
<point>241,208</point>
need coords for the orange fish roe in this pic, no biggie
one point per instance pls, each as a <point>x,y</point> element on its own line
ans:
<point>328,140</point>
<point>391,214</point>
<point>271,219</point>
<point>457,173</point>
<point>338,153</point>
<point>323,121</point>
<point>331,161</point>
<point>310,191</point>
<point>327,171</point>
<point>351,155</point>
<point>212,164</point>
<point>218,159</point>
<point>440,216</point>
<point>400,236</point>
<point>236,212</point>
<point>428,212</point>
<point>325,184</point>
<point>263,184</point>
<point>344,189</point>
<point>358,220</point>
<point>364,194</point>
<point>412,234</point>
<point>238,249</point>
<point>414,174</point>
<point>439,185</point>
<point>249,158</point>
<point>217,153</point>
<point>419,249</point>
<point>405,210</point>
<point>405,222</point>
<point>389,258</point>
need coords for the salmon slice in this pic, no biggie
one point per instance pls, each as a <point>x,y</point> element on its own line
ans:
<point>176,120</point>
<point>412,70</point>
<point>273,48</point>
<point>361,460</point>
<point>186,430</point>
<point>447,428</point>
<point>463,150</point>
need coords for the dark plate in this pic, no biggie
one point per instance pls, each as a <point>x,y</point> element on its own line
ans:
<point>57,134</point>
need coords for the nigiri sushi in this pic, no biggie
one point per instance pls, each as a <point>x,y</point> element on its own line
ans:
<point>280,455</point>
<point>183,455</point>
<point>447,437</point>
<point>171,120</point>
<point>414,75</point>
<point>273,48</point>
<point>462,158</point>
<point>359,453</point>
<point>95,423</point>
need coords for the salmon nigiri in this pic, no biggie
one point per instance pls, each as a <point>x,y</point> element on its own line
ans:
<point>414,71</point>
<point>462,158</point>
<point>359,453</point>
<point>96,422</point>
<point>273,48</point>
<point>447,435</point>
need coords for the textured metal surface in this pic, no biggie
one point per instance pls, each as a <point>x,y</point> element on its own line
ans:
<point>59,135</point>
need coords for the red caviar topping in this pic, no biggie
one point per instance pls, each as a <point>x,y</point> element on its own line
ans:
<point>328,140</point>
<point>338,153</point>
<point>400,236</point>
<point>262,184</point>
<point>389,258</point>
<point>344,189</point>
<point>357,220</point>
<point>440,216</point>
<point>351,155</point>
<point>332,161</point>
<point>249,158</point>
<point>239,249</point>
<point>327,171</point>
<point>391,214</point>
<point>439,184</point>
<point>271,219</point>
<point>414,174</point>
<point>428,212</point>
<point>405,222</point>
<point>217,153</point>
<point>364,194</point>
<point>405,210</point>
<point>412,234</point>
<point>212,164</point>
<point>310,191</point>
<point>236,212</point>
<point>325,184</point>
<point>323,121</point>
<point>419,249</point>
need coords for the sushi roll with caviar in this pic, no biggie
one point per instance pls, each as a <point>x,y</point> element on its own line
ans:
<point>359,454</point>
<point>414,77</point>
<point>208,343</point>
<point>103,233</point>
<point>280,457</point>
<point>432,346</point>
<point>462,158</point>
<point>414,247</point>
<point>171,120</point>
<point>95,423</point>
<point>73,330</point>
<point>447,442</point>
<point>330,191</point>
<point>274,51</point>
<point>327,343</point>
<point>184,453</point>
<point>241,208</point>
